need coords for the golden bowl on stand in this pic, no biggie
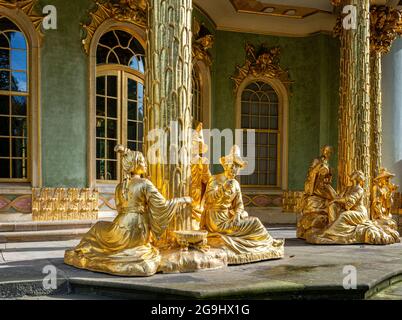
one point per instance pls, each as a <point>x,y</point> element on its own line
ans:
<point>192,238</point>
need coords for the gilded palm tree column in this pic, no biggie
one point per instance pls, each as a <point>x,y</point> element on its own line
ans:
<point>384,23</point>
<point>354,110</point>
<point>168,100</point>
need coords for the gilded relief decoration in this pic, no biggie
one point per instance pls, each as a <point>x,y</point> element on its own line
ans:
<point>28,7</point>
<point>384,27</point>
<point>331,217</point>
<point>64,204</point>
<point>22,204</point>
<point>203,40</point>
<point>132,11</point>
<point>261,62</point>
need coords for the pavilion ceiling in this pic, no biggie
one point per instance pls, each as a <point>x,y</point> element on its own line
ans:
<point>282,17</point>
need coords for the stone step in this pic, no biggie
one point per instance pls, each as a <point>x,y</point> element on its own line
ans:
<point>43,235</point>
<point>45,225</point>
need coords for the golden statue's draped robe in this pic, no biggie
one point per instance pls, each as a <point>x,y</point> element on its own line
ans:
<point>245,240</point>
<point>123,247</point>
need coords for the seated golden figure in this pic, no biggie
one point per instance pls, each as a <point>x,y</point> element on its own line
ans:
<point>318,192</point>
<point>351,221</point>
<point>244,238</point>
<point>124,246</point>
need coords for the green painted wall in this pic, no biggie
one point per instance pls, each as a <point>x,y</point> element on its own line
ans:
<point>64,98</point>
<point>313,66</point>
<point>312,62</point>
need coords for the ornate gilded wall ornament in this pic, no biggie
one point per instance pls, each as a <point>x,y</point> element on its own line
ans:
<point>28,7</point>
<point>384,27</point>
<point>263,62</point>
<point>132,11</point>
<point>64,204</point>
<point>203,40</point>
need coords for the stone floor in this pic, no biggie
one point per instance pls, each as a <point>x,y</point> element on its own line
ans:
<point>306,272</point>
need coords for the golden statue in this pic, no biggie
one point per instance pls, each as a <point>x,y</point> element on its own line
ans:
<point>131,245</point>
<point>318,192</point>
<point>244,238</point>
<point>200,175</point>
<point>124,246</point>
<point>382,199</point>
<point>329,218</point>
<point>382,192</point>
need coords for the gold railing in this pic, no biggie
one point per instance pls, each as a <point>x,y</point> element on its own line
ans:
<point>291,201</point>
<point>49,204</point>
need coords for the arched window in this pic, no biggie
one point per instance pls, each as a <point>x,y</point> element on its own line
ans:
<point>260,111</point>
<point>119,100</point>
<point>14,103</point>
<point>197,102</point>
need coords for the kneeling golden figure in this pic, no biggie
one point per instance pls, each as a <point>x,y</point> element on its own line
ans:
<point>123,247</point>
<point>244,238</point>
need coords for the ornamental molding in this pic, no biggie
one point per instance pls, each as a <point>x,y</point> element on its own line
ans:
<point>28,8</point>
<point>385,26</point>
<point>261,63</point>
<point>131,11</point>
<point>203,40</point>
<point>21,204</point>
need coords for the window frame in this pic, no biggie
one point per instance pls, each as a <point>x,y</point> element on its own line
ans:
<point>204,76</point>
<point>106,26</point>
<point>196,79</point>
<point>283,103</point>
<point>34,159</point>
<point>122,74</point>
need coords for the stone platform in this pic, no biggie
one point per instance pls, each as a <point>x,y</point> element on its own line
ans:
<point>306,272</point>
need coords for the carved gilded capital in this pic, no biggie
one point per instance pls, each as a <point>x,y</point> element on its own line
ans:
<point>385,26</point>
<point>28,7</point>
<point>203,40</point>
<point>132,11</point>
<point>264,63</point>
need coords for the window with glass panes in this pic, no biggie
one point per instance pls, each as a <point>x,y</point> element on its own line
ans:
<point>14,103</point>
<point>119,100</point>
<point>260,111</point>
